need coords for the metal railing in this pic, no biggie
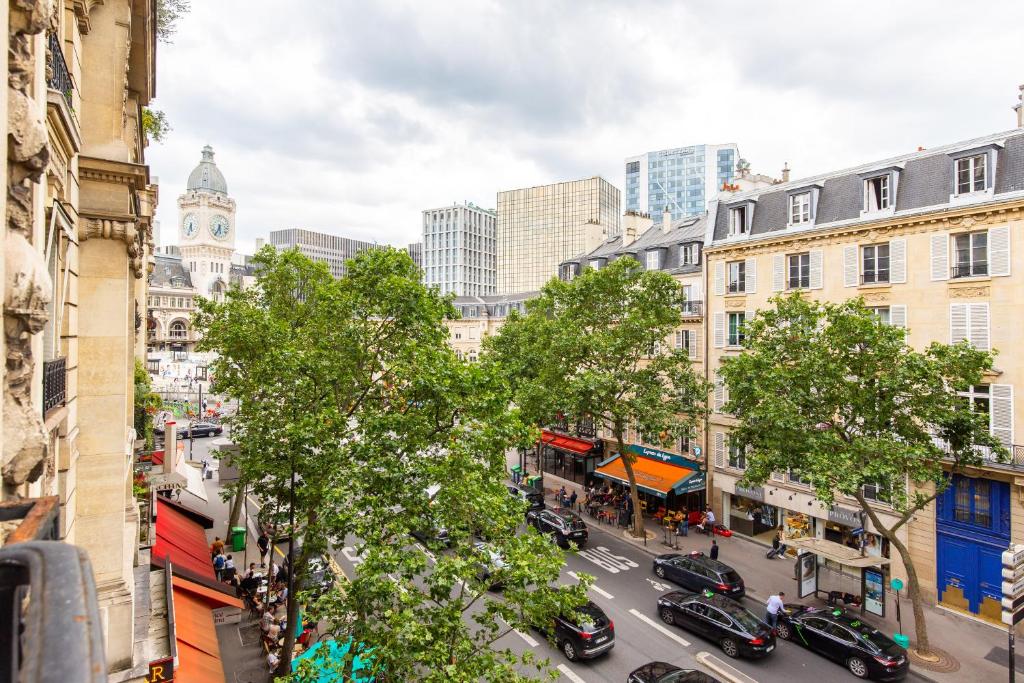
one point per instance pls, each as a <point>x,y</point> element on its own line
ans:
<point>737,287</point>
<point>877,278</point>
<point>692,308</point>
<point>976,269</point>
<point>58,77</point>
<point>55,381</point>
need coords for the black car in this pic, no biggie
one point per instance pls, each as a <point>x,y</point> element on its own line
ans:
<point>844,638</point>
<point>534,498</point>
<point>663,672</point>
<point>720,619</point>
<point>561,524</point>
<point>200,429</point>
<point>698,573</point>
<point>594,635</point>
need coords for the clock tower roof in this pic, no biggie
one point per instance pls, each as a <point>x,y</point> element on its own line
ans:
<point>206,177</point>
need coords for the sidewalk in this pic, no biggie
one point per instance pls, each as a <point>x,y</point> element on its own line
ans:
<point>980,649</point>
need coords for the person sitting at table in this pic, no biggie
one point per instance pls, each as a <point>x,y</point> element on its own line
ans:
<point>273,661</point>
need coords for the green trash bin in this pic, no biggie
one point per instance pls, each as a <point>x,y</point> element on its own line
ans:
<point>238,538</point>
<point>901,640</point>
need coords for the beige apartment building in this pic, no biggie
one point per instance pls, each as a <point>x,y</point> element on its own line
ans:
<point>933,241</point>
<point>539,227</point>
<point>480,317</point>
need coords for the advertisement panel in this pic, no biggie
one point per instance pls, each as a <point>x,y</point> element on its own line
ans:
<point>807,574</point>
<point>873,590</point>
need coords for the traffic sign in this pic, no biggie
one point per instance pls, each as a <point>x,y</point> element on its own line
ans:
<point>1013,573</point>
<point>1014,589</point>
<point>1013,604</point>
<point>1014,557</point>
<point>1013,618</point>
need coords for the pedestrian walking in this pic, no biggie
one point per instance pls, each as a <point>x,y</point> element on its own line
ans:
<point>572,500</point>
<point>714,549</point>
<point>264,545</point>
<point>775,605</point>
<point>218,565</point>
<point>216,547</point>
<point>561,496</point>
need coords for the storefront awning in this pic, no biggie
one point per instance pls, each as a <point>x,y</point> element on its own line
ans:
<point>566,443</point>
<point>183,540</point>
<point>195,634</point>
<point>836,552</point>
<point>653,477</point>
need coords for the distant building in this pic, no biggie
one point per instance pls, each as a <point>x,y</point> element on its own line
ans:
<point>482,316</point>
<point>683,179</point>
<point>415,250</point>
<point>540,227</point>
<point>320,246</point>
<point>460,249</point>
<point>171,302</point>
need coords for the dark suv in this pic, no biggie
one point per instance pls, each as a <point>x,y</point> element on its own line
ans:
<point>593,636</point>
<point>561,524</point>
<point>719,619</point>
<point>698,573</point>
<point>534,498</point>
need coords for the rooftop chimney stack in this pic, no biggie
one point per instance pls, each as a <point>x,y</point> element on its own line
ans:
<point>1020,107</point>
<point>170,446</point>
<point>785,172</point>
<point>666,220</point>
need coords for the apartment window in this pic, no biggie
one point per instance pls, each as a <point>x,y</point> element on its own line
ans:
<point>882,313</point>
<point>979,398</point>
<point>736,321</point>
<point>596,264</point>
<point>688,255</point>
<point>684,339</point>
<point>737,276</point>
<point>875,263</point>
<point>737,457</point>
<point>797,477</point>
<point>876,193</point>
<point>800,208</point>
<point>799,266</point>
<point>877,492</point>
<point>738,220</point>
<point>970,174</point>
<point>971,252</point>
<point>653,260</point>
<point>684,443</point>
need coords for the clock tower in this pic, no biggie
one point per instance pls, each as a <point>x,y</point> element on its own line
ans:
<point>206,228</point>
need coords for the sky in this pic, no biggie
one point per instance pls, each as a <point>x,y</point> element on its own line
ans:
<point>352,117</point>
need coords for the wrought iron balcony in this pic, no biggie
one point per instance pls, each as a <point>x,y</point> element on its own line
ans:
<point>692,308</point>
<point>55,381</point>
<point>880,277</point>
<point>58,77</point>
<point>976,269</point>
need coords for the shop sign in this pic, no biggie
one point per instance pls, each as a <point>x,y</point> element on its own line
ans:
<point>698,482</point>
<point>844,516</point>
<point>161,671</point>
<point>874,591</point>
<point>752,492</point>
<point>662,456</point>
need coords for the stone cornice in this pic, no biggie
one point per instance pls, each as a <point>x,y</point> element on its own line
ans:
<point>135,234</point>
<point>108,171</point>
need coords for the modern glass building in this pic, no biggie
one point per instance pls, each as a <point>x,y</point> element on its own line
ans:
<point>459,249</point>
<point>685,179</point>
<point>319,246</point>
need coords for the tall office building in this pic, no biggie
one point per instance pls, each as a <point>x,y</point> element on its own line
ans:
<point>459,252</point>
<point>539,227</point>
<point>320,246</point>
<point>685,179</point>
<point>415,250</point>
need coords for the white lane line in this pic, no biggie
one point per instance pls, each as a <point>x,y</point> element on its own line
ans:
<point>727,671</point>
<point>655,625</point>
<point>570,674</point>
<point>599,591</point>
<point>526,636</point>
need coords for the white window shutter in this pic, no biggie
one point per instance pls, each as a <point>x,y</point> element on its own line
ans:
<point>720,278</point>
<point>679,339</point>
<point>978,329</point>
<point>898,261</point>
<point>778,272</point>
<point>719,393</point>
<point>750,276</point>
<point>817,256</point>
<point>695,292</point>
<point>940,256</point>
<point>719,330</point>
<point>778,476</point>
<point>748,317</point>
<point>999,250</point>
<point>719,449</point>
<point>1001,415</point>
<point>957,322</point>
<point>850,265</point>
<point>694,343</point>
<point>898,316</point>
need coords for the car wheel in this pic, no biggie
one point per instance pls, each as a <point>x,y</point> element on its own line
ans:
<point>784,631</point>
<point>667,616</point>
<point>569,650</point>
<point>660,571</point>
<point>730,648</point>
<point>857,667</point>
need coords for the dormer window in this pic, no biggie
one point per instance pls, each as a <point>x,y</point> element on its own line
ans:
<point>595,264</point>
<point>738,220</point>
<point>653,259</point>
<point>971,174</point>
<point>800,208</point>
<point>877,193</point>
<point>689,254</point>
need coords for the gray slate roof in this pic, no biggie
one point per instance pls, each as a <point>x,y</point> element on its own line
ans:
<point>168,268</point>
<point>685,230</point>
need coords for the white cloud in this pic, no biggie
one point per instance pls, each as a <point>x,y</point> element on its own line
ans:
<point>352,117</point>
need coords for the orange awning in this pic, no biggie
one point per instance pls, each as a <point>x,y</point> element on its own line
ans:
<point>196,636</point>
<point>213,597</point>
<point>652,476</point>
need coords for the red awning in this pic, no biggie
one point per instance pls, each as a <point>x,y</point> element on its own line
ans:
<point>566,443</point>
<point>184,540</point>
<point>198,651</point>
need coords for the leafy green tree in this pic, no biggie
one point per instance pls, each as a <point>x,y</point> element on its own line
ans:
<point>146,403</point>
<point>168,12</point>
<point>597,347</point>
<point>830,391</point>
<point>155,124</point>
<point>359,423</point>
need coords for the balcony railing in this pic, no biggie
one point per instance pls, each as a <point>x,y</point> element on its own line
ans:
<point>879,278</point>
<point>57,75</point>
<point>692,308</point>
<point>54,383</point>
<point>976,269</point>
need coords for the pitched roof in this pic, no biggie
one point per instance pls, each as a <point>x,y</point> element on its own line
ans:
<point>169,271</point>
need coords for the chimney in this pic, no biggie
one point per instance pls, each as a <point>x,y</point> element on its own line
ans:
<point>666,220</point>
<point>170,446</point>
<point>628,235</point>
<point>1020,108</point>
<point>785,172</point>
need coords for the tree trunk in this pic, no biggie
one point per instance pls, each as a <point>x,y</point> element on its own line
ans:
<point>236,507</point>
<point>916,600</point>
<point>638,515</point>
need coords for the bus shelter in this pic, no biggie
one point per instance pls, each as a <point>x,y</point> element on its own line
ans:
<point>871,568</point>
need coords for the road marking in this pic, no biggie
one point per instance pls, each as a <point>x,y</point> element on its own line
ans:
<point>335,567</point>
<point>655,625</point>
<point>599,591</point>
<point>659,586</point>
<point>730,673</point>
<point>527,637</point>
<point>570,674</point>
<point>426,552</point>
<point>255,504</point>
<point>607,560</point>
<point>350,554</point>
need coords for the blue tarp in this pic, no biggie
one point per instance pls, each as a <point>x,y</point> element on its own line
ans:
<point>326,651</point>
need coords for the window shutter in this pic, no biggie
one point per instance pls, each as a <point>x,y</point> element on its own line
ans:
<point>898,316</point>
<point>1001,415</point>
<point>850,265</point>
<point>679,339</point>
<point>940,256</point>
<point>719,330</point>
<point>696,290</point>
<point>978,326</point>
<point>898,261</point>
<point>751,275</point>
<point>719,393</point>
<point>748,317</point>
<point>720,278</point>
<point>719,449</point>
<point>957,322</point>
<point>999,251</point>
<point>778,476</point>
<point>778,272</point>
<point>817,256</point>
<point>694,342</point>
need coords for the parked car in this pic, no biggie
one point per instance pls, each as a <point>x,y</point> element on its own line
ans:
<point>432,538</point>
<point>200,429</point>
<point>720,619</point>
<point>534,499</point>
<point>697,572</point>
<point>663,672</point>
<point>844,638</point>
<point>491,563</point>
<point>593,635</point>
<point>560,524</point>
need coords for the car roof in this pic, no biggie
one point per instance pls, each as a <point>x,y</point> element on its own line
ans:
<point>717,566</point>
<point>564,513</point>
<point>716,600</point>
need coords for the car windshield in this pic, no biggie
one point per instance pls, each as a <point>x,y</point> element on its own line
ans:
<point>576,524</point>
<point>871,634</point>
<point>744,618</point>
<point>731,577</point>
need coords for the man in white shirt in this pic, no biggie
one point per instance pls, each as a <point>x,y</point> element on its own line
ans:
<point>775,605</point>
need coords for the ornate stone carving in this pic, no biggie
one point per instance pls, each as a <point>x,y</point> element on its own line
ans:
<point>27,285</point>
<point>875,297</point>
<point>736,303</point>
<point>127,231</point>
<point>968,292</point>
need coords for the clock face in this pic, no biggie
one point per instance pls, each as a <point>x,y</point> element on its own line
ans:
<point>219,227</point>
<point>190,225</point>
